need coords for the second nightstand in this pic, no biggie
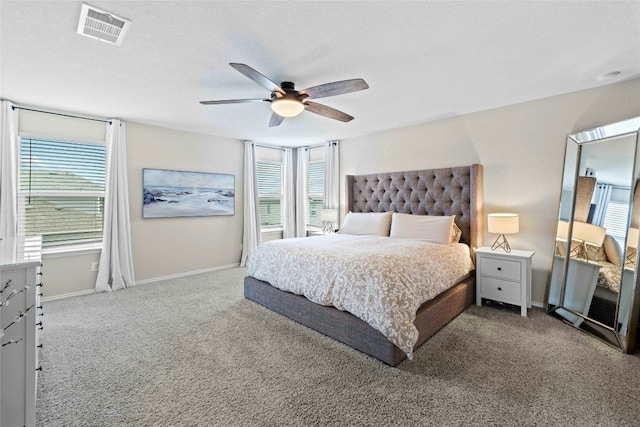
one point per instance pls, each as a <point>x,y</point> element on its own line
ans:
<point>504,277</point>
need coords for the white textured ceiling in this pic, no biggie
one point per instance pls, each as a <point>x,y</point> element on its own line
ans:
<point>422,60</point>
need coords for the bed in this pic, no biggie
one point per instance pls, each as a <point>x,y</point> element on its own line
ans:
<point>455,191</point>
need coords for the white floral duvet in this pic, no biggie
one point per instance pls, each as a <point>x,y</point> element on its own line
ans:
<point>381,280</point>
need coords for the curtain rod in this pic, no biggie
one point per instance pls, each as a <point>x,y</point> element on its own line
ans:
<point>270,147</point>
<point>13,107</point>
<point>308,147</point>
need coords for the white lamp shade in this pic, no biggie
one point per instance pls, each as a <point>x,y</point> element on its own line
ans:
<point>632,238</point>
<point>285,107</point>
<point>329,215</point>
<point>563,230</point>
<point>503,223</point>
<point>588,233</point>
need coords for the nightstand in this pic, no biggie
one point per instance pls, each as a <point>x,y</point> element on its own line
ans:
<point>504,277</point>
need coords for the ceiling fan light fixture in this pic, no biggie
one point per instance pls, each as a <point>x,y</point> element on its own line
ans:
<point>286,107</point>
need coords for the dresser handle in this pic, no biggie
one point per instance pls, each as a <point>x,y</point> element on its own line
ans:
<point>499,288</point>
<point>499,268</point>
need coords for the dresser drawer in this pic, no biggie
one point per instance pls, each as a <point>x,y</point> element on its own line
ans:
<point>500,290</point>
<point>500,268</point>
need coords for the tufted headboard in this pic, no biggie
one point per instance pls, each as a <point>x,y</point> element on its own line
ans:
<point>446,191</point>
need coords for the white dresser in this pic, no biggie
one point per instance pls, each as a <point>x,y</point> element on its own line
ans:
<point>504,277</point>
<point>20,316</point>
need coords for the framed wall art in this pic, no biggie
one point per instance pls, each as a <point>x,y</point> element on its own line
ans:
<point>169,193</point>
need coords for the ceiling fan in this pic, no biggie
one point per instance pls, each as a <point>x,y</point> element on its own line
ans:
<point>286,101</point>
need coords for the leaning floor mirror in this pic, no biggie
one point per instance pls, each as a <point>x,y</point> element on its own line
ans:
<point>594,277</point>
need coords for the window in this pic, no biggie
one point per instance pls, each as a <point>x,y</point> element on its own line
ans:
<point>315,190</point>
<point>615,220</point>
<point>269,176</point>
<point>61,191</point>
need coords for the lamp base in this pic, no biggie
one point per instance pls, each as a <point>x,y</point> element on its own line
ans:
<point>580,252</point>
<point>328,227</point>
<point>501,242</point>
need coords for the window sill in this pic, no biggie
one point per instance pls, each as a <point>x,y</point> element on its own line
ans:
<point>272,230</point>
<point>71,250</point>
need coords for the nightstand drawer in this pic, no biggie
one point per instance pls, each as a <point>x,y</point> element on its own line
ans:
<point>500,290</point>
<point>500,268</point>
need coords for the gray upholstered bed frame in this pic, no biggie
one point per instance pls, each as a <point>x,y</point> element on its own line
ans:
<point>446,191</point>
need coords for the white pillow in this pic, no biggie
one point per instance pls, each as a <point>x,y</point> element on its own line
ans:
<point>373,223</point>
<point>435,229</point>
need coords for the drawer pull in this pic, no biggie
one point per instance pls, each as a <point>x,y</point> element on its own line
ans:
<point>499,288</point>
<point>499,268</point>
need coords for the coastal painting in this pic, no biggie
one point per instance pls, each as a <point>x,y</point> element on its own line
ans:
<point>169,193</point>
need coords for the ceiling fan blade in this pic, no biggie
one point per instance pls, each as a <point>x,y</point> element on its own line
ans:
<point>275,120</point>
<point>323,110</point>
<point>233,101</point>
<point>257,77</point>
<point>335,88</point>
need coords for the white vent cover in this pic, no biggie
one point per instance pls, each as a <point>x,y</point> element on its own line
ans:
<point>102,25</point>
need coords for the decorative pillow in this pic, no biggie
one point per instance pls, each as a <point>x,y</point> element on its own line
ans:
<point>435,229</point>
<point>596,253</point>
<point>373,223</point>
<point>612,250</point>
<point>456,233</point>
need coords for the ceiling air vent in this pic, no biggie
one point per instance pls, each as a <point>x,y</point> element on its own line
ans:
<point>102,25</point>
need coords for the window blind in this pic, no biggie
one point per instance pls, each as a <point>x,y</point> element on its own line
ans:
<point>616,219</point>
<point>269,176</point>
<point>315,190</point>
<point>61,191</point>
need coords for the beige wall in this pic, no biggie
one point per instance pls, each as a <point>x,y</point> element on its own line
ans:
<point>68,274</point>
<point>521,148</point>
<point>169,246</point>
<point>162,246</point>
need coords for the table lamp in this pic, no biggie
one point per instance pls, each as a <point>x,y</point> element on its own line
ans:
<point>501,224</point>
<point>587,234</point>
<point>328,218</point>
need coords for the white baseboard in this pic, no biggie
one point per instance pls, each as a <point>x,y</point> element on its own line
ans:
<point>141,282</point>
<point>538,304</point>
<point>188,273</point>
<point>69,295</point>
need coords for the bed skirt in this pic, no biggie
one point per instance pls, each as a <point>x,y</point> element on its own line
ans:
<point>356,333</point>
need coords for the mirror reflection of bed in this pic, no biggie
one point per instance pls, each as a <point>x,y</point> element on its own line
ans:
<point>597,261</point>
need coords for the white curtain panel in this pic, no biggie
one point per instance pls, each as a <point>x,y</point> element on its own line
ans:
<point>8,170</point>
<point>302,207</point>
<point>331,175</point>
<point>251,233</point>
<point>288,195</point>
<point>116,261</point>
<point>602,201</point>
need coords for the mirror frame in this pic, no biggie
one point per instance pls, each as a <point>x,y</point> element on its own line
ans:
<point>578,139</point>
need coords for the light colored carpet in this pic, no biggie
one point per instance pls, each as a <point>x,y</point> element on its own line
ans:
<point>193,352</point>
